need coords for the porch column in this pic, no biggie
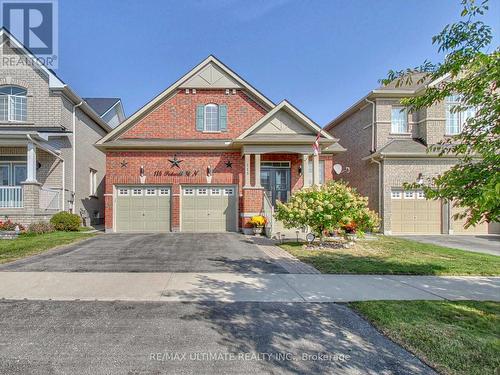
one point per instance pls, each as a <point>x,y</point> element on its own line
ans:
<point>316,169</point>
<point>247,171</point>
<point>257,171</point>
<point>305,170</point>
<point>31,163</point>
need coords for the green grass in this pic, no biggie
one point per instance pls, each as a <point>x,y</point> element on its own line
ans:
<point>30,244</point>
<point>453,337</point>
<point>391,255</point>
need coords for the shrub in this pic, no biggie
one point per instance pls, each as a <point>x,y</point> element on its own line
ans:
<point>65,221</point>
<point>41,227</point>
<point>9,225</point>
<point>330,207</point>
<point>257,221</point>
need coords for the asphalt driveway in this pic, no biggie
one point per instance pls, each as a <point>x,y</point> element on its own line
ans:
<point>48,337</point>
<point>170,252</point>
<point>487,244</point>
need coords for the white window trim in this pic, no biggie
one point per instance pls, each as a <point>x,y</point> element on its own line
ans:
<point>137,195</point>
<point>219,192</point>
<point>122,192</point>
<point>398,192</point>
<point>205,117</point>
<point>188,191</point>
<point>11,109</point>
<point>405,112</point>
<point>406,192</point>
<point>164,192</point>
<point>146,191</point>
<point>420,194</point>
<point>93,182</point>
<point>200,193</point>
<point>228,191</point>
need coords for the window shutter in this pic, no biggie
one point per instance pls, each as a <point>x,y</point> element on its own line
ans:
<point>223,117</point>
<point>200,117</point>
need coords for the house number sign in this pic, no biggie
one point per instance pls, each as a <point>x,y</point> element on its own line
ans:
<point>192,173</point>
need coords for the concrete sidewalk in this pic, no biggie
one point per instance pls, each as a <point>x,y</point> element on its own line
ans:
<point>242,287</point>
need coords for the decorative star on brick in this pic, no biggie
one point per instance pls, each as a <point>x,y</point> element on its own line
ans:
<point>124,163</point>
<point>229,164</point>
<point>175,162</point>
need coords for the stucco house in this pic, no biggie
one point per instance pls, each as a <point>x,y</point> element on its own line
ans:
<point>208,153</point>
<point>387,147</point>
<point>48,161</point>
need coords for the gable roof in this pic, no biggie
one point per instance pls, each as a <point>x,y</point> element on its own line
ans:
<point>151,105</point>
<point>55,83</point>
<point>101,105</point>
<point>295,113</point>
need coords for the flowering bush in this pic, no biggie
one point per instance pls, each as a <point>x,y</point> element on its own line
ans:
<point>9,225</point>
<point>257,221</point>
<point>330,207</point>
<point>41,227</point>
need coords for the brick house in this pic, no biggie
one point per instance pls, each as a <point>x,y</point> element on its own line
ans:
<point>208,153</point>
<point>387,147</point>
<point>48,161</point>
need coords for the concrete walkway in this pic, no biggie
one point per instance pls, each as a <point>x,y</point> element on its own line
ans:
<point>232,287</point>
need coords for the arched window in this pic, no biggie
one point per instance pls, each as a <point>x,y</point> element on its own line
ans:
<point>212,118</point>
<point>12,104</point>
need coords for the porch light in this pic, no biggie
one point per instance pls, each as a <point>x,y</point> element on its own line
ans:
<point>141,171</point>
<point>300,170</point>
<point>209,171</point>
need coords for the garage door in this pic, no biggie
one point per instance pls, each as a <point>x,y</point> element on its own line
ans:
<point>458,225</point>
<point>208,209</point>
<point>143,209</point>
<point>412,213</point>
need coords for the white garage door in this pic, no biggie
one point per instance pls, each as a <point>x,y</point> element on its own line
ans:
<point>142,209</point>
<point>411,213</point>
<point>209,209</point>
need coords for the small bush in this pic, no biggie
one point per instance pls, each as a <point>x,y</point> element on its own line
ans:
<point>65,221</point>
<point>41,227</point>
<point>257,221</point>
<point>9,225</point>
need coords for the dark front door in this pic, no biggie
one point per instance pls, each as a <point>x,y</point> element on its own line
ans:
<point>276,183</point>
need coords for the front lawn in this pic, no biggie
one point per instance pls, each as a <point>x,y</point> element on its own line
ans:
<point>391,255</point>
<point>453,337</point>
<point>30,244</point>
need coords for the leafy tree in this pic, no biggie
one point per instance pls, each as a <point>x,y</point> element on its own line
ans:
<point>471,71</point>
<point>332,206</point>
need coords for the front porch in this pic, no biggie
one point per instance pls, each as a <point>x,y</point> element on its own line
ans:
<point>31,181</point>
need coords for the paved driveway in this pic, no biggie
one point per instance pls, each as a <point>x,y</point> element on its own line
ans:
<point>171,252</point>
<point>48,337</point>
<point>488,244</point>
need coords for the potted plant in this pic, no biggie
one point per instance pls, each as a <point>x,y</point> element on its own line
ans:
<point>258,222</point>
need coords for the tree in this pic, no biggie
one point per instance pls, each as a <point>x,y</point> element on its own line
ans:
<point>332,206</point>
<point>471,72</point>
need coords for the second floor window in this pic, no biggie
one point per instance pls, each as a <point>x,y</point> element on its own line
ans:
<point>13,104</point>
<point>211,118</point>
<point>399,120</point>
<point>455,120</point>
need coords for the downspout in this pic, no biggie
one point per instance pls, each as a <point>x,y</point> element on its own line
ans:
<point>379,185</point>
<point>73,182</point>
<point>63,168</point>
<point>373,124</point>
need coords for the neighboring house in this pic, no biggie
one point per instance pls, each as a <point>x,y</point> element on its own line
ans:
<point>109,109</point>
<point>387,147</point>
<point>201,154</point>
<point>48,161</point>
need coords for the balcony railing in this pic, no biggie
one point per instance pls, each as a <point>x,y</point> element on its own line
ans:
<point>50,199</point>
<point>11,196</point>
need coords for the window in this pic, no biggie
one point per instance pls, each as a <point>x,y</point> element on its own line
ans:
<point>215,191</point>
<point>202,191</point>
<point>12,104</point>
<point>93,182</point>
<point>188,191</point>
<point>420,194</point>
<point>12,173</point>
<point>275,164</point>
<point>211,118</point>
<point>455,120</point>
<point>122,191</point>
<point>228,191</point>
<point>136,191</point>
<point>409,194</point>
<point>150,191</point>
<point>399,120</point>
<point>321,172</point>
<point>396,194</point>
<point>164,191</point>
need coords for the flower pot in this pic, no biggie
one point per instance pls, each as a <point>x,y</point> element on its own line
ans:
<point>257,230</point>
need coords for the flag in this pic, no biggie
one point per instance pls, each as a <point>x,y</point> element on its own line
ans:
<point>316,148</point>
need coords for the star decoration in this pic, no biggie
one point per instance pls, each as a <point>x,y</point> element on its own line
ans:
<point>229,164</point>
<point>123,163</point>
<point>175,162</point>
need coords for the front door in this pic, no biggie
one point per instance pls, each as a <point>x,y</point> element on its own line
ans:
<point>276,183</point>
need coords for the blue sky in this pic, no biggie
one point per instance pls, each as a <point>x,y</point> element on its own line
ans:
<point>320,55</point>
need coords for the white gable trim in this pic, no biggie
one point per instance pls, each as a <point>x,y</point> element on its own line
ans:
<point>129,122</point>
<point>284,105</point>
